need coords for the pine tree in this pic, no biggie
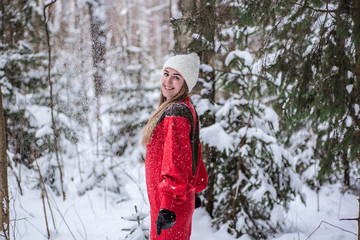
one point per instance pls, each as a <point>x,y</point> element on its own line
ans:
<point>252,181</point>
<point>18,78</point>
<point>311,65</point>
<point>25,88</point>
<point>195,32</point>
<point>257,177</point>
<point>4,195</point>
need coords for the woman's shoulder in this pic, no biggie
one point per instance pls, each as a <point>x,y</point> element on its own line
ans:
<point>178,109</point>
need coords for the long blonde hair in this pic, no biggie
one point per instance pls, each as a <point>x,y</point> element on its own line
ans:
<point>163,104</point>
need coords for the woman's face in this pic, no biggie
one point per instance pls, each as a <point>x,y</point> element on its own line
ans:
<point>171,83</point>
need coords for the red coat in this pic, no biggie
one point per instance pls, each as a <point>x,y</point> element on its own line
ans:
<point>171,178</point>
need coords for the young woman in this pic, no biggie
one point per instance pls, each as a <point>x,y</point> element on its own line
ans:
<point>173,166</point>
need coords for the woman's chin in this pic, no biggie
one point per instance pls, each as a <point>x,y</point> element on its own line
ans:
<point>167,95</point>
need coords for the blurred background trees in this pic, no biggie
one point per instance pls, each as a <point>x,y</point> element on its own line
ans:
<point>278,95</point>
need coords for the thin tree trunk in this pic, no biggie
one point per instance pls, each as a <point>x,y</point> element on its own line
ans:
<point>357,44</point>
<point>358,220</point>
<point>53,122</point>
<point>182,32</point>
<point>198,17</point>
<point>98,48</point>
<point>4,195</point>
<point>356,32</point>
<point>206,29</point>
<point>98,54</point>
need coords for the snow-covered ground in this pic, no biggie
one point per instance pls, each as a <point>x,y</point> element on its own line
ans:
<point>105,215</point>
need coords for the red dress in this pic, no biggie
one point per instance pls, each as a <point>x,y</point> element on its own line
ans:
<point>174,169</point>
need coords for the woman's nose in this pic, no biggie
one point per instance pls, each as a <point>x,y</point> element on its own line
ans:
<point>168,80</point>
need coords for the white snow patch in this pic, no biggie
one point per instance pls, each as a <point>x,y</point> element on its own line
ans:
<point>356,108</point>
<point>216,136</point>
<point>206,68</point>
<point>348,121</point>
<point>271,116</point>
<point>248,58</point>
<point>349,88</point>
<point>259,193</point>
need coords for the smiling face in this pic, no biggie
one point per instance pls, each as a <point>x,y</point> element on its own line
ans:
<point>171,83</point>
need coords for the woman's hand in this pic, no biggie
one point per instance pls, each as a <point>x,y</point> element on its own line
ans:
<point>165,220</point>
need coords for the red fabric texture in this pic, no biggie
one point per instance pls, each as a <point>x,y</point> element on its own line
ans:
<point>169,179</point>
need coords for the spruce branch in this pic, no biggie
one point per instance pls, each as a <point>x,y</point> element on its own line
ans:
<point>48,3</point>
<point>316,9</point>
<point>349,219</point>
<point>332,225</point>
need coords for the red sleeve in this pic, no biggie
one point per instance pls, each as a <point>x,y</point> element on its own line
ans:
<point>176,167</point>
<point>201,176</point>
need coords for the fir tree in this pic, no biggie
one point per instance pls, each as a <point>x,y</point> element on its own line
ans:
<point>310,51</point>
<point>20,81</point>
<point>252,181</point>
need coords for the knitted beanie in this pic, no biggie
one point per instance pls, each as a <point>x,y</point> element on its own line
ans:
<point>187,65</point>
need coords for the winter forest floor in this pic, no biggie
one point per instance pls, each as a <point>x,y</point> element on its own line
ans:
<point>104,215</point>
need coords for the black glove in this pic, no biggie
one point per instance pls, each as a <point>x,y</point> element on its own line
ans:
<point>165,220</point>
<point>197,201</point>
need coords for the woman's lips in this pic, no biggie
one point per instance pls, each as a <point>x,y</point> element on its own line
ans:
<point>168,88</point>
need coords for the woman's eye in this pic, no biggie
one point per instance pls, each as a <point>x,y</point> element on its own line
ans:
<point>166,74</point>
<point>177,78</point>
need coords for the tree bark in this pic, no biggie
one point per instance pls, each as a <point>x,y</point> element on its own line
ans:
<point>357,43</point>
<point>98,48</point>
<point>53,122</point>
<point>198,19</point>
<point>181,27</point>
<point>4,195</point>
<point>356,32</point>
<point>98,54</point>
<point>207,29</point>
<point>358,220</point>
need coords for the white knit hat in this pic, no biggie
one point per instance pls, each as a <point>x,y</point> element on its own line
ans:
<point>187,65</point>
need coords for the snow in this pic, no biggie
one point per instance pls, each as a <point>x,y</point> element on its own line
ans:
<point>93,211</point>
<point>94,216</point>
<point>357,108</point>
<point>216,136</point>
<point>206,68</point>
<point>348,121</point>
<point>304,219</point>
<point>349,88</point>
<point>41,115</point>
<point>105,195</point>
<point>49,2</point>
<point>272,117</point>
<point>257,133</point>
<point>259,193</point>
<point>248,58</point>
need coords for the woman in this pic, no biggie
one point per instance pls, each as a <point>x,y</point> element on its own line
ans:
<point>173,165</point>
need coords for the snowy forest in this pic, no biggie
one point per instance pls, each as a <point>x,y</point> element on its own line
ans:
<point>278,97</point>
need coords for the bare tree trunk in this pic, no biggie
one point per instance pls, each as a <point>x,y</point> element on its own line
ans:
<point>356,32</point>
<point>4,195</point>
<point>357,43</point>
<point>98,53</point>
<point>98,47</point>
<point>358,220</point>
<point>53,125</point>
<point>206,30</point>
<point>182,31</point>
<point>198,17</point>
